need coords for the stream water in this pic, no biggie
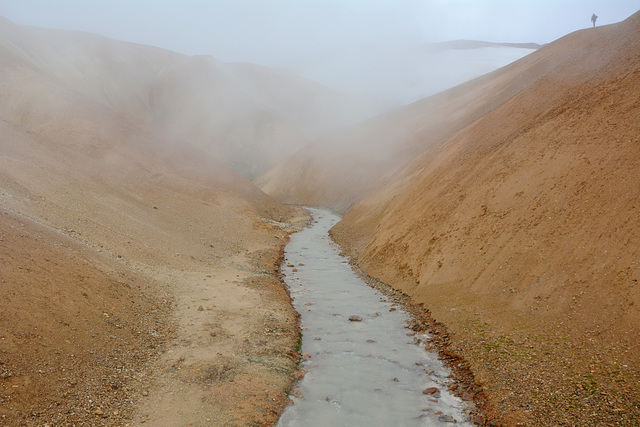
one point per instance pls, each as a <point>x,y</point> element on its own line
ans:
<point>366,372</point>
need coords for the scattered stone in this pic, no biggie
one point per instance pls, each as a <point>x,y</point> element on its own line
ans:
<point>446,419</point>
<point>429,371</point>
<point>452,387</point>
<point>201,308</point>
<point>295,270</point>
<point>355,318</point>
<point>370,340</point>
<point>317,338</point>
<point>467,397</point>
<point>431,390</point>
<point>419,363</point>
<point>396,380</point>
<point>392,309</point>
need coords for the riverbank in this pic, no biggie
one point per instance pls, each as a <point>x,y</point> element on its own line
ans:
<point>103,339</point>
<point>362,364</point>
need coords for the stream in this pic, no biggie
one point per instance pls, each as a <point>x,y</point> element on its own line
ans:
<point>366,372</point>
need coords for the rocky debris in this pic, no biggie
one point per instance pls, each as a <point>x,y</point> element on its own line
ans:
<point>355,318</point>
<point>431,390</point>
<point>467,397</point>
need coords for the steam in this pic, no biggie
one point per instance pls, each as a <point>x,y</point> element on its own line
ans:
<point>378,52</point>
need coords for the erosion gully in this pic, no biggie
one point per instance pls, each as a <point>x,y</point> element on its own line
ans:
<point>364,367</point>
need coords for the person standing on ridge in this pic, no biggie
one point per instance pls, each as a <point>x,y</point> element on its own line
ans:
<point>593,19</point>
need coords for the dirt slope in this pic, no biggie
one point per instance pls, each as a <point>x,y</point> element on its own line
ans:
<point>184,319</point>
<point>519,231</point>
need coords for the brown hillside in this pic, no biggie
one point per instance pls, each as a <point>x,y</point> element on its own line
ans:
<point>519,231</point>
<point>94,201</point>
<point>75,328</point>
<point>343,168</point>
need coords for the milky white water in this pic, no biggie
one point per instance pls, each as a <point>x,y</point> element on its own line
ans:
<point>361,373</point>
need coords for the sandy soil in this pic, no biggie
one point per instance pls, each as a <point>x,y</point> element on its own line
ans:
<point>139,294</point>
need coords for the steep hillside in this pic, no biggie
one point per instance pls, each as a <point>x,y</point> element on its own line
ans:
<point>517,227</point>
<point>106,226</point>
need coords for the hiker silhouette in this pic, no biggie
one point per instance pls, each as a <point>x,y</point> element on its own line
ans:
<point>593,19</point>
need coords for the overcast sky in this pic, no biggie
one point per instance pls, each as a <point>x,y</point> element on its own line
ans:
<point>267,31</point>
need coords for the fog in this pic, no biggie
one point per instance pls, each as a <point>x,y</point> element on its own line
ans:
<point>366,47</point>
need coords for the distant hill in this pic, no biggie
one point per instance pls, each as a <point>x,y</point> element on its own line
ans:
<point>476,44</point>
<point>247,116</point>
<point>508,207</point>
<point>402,74</point>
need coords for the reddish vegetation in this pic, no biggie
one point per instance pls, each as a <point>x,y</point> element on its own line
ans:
<point>515,221</point>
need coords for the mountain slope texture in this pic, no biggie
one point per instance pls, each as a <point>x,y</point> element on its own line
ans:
<point>138,270</point>
<point>519,230</point>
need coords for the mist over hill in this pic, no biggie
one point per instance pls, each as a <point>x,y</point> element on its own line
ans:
<point>399,74</point>
<point>506,206</point>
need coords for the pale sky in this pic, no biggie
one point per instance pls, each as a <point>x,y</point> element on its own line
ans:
<point>270,31</point>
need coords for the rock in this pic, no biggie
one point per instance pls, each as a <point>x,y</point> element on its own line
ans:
<point>429,371</point>
<point>446,419</point>
<point>355,318</point>
<point>201,308</point>
<point>467,397</point>
<point>419,363</point>
<point>430,390</point>
<point>453,387</point>
<point>396,380</point>
<point>370,340</point>
<point>295,270</point>
<point>99,412</point>
<point>479,419</point>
